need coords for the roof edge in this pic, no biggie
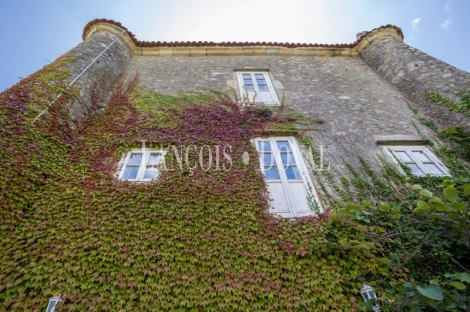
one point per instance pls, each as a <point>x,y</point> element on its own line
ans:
<point>138,47</point>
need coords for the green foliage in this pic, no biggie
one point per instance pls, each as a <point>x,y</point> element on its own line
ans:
<point>151,101</point>
<point>428,122</point>
<point>462,107</point>
<point>445,295</point>
<point>424,235</point>
<point>312,201</point>
<point>456,137</point>
<point>459,139</point>
<point>188,241</point>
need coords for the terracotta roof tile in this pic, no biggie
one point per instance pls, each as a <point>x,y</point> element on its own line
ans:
<point>229,44</point>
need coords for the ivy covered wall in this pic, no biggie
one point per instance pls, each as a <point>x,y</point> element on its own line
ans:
<point>187,241</point>
<point>197,240</point>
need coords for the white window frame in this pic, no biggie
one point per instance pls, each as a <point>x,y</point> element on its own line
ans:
<point>392,149</point>
<point>141,171</point>
<point>302,168</point>
<point>269,84</point>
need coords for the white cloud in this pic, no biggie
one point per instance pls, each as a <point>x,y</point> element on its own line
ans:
<point>415,22</point>
<point>446,24</point>
<point>447,7</point>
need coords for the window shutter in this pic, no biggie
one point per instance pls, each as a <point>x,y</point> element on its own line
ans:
<point>257,87</point>
<point>286,176</point>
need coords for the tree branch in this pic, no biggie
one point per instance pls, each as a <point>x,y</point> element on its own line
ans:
<point>407,259</point>
<point>397,234</point>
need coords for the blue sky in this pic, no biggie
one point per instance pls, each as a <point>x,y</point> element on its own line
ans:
<point>36,32</point>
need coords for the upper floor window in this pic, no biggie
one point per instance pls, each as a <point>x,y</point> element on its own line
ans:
<point>257,87</point>
<point>141,165</point>
<point>287,178</point>
<point>419,159</point>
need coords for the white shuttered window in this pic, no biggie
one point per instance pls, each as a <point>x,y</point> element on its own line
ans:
<point>257,86</point>
<point>286,176</point>
<point>141,165</point>
<point>419,159</point>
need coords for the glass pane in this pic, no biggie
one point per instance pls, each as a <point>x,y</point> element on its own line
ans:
<point>130,173</point>
<point>154,159</point>
<point>415,169</point>
<point>264,146</point>
<point>433,169</point>
<point>288,159</point>
<point>263,87</point>
<point>283,146</point>
<point>151,173</point>
<point>51,305</point>
<point>403,156</point>
<point>420,156</point>
<point>259,76</point>
<point>268,159</point>
<point>246,76</point>
<point>271,173</point>
<point>135,159</point>
<point>249,87</point>
<point>293,173</point>
<point>247,81</point>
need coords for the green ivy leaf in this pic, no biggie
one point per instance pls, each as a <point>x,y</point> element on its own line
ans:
<point>466,190</point>
<point>422,206</point>
<point>432,292</point>
<point>457,285</point>
<point>450,193</point>
<point>464,277</point>
<point>441,207</point>
<point>449,304</point>
<point>425,193</point>
<point>384,208</point>
<point>417,187</point>
<point>460,206</point>
<point>367,204</point>
<point>353,207</point>
<point>435,199</point>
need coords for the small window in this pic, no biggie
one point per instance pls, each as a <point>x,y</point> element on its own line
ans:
<point>419,159</point>
<point>257,87</point>
<point>286,175</point>
<point>141,165</point>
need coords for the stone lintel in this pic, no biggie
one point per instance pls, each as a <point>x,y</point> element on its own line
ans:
<point>399,140</point>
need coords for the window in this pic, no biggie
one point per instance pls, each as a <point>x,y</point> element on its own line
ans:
<point>286,175</point>
<point>419,159</point>
<point>258,86</point>
<point>141,165</point>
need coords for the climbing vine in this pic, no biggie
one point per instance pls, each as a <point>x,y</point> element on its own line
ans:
<point>462,107</point>
<point>420,223</point>
<point>190,240</point>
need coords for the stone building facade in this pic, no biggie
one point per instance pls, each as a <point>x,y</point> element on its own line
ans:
<point>74,222</point>
<point>358,94</point>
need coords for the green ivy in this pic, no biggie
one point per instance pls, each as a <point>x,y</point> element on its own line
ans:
<point>462,107</point>
<point>459,139</point>
<point>189,241</point>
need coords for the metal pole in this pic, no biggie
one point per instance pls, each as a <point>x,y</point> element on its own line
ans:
<point>76,78</point>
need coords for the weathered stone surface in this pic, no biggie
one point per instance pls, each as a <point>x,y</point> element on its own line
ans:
<point>101,75</point>
<point>350,102</point>
<point>414,73</point>
<point>399,140</point>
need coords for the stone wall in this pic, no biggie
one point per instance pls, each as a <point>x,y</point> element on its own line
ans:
<point>414,73</point>
<point>100,77</point>
<point>352,105</point>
